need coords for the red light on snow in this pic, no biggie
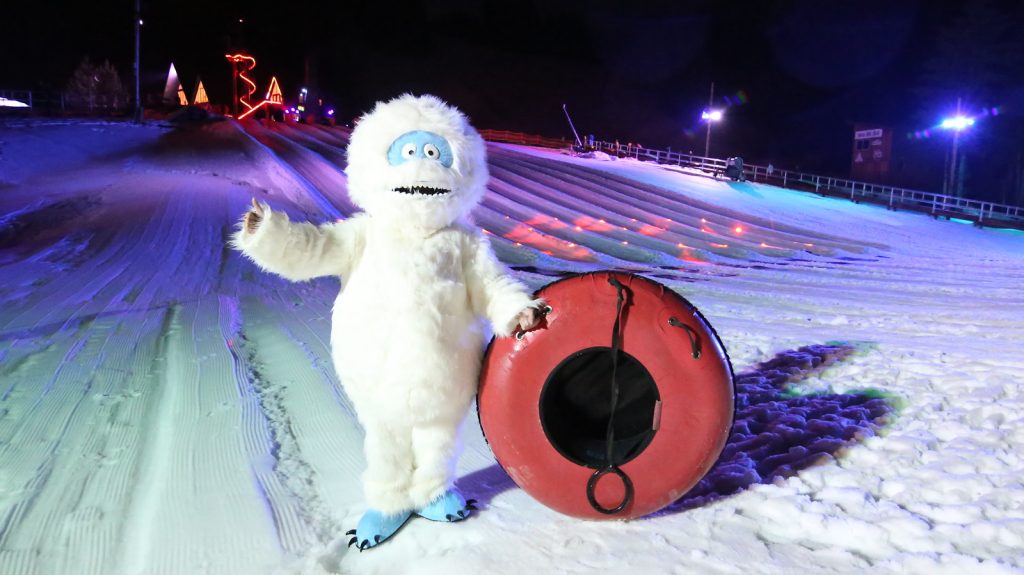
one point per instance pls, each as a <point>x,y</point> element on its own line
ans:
<point>591,224</point>
<point>649,230</point>
<point>738,229</point>
<point>545,222</point>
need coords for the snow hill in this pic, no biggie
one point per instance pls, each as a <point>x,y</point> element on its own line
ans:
<point>167,408</point>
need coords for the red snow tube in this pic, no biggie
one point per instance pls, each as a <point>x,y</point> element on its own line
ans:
<point>597,434</point>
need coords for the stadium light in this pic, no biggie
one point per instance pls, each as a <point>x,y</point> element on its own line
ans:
<point>710,116</point>
<point>957,123</point>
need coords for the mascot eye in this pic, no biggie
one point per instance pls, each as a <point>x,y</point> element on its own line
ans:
<point>431,151</point>
<point>409,150</point>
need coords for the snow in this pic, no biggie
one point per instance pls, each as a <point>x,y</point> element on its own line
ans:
<point>167,408</point>
<point>8,103</point>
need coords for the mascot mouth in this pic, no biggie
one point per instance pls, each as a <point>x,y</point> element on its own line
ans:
<point>421,190</point>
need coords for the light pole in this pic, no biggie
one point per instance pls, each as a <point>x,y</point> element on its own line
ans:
<point>709,115</point>
<point>957,123</point>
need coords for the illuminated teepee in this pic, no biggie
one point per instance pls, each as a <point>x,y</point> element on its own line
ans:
<point>274,95</point>
<point>201,99</point>
<point>174,93</point>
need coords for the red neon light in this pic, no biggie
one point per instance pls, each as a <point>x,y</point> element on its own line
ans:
<point>236,59</point>
<point>274,96</point>
<point>254,108</point>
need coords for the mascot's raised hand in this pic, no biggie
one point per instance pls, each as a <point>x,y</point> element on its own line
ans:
<point>253,217</point>
<point>417,275</point>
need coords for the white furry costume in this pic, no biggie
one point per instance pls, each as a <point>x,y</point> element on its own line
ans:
<point>416,277</point>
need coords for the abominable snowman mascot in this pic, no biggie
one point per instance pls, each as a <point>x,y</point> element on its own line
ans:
<point>417,276</point>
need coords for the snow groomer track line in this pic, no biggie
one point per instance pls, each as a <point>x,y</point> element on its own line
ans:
<point>165,407</point>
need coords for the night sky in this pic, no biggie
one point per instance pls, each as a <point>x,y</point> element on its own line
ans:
<point>796,76</point>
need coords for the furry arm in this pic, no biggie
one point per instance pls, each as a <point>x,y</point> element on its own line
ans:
<point>494,293</point>
<point>300,251</point>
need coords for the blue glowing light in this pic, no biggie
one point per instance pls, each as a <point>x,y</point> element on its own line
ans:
<point>957,123</point>
<point>711,115</point>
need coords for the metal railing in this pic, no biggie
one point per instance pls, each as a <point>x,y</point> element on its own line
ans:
<point>939,205</point>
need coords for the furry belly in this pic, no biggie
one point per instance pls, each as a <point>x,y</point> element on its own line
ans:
<point>406,360</point>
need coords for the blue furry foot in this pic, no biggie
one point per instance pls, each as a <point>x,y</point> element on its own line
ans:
<point>451,506</point>
<point>375,527</point>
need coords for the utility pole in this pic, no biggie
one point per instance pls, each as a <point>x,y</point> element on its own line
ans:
<point>707,140</point>
<point>138,30</point>
<point>953,188</point>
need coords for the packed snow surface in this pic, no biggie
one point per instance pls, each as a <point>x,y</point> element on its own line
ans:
<point>167,408</point>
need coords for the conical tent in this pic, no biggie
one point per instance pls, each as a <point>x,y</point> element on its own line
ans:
<point>274,94</point>
<point>172,87</point>
<point>201,98</point>
<point>182,98</point>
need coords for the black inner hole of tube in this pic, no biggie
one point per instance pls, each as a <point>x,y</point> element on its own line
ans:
<point>575,406</point>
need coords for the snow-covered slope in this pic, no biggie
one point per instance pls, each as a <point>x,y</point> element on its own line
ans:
<point>167,408</point>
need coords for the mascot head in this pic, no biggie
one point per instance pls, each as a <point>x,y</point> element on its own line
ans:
<point>416,162</point>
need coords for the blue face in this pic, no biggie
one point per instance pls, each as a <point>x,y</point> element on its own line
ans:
<point>422,145</point>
